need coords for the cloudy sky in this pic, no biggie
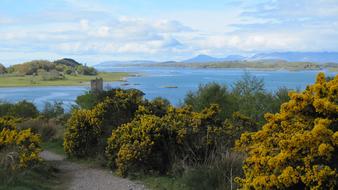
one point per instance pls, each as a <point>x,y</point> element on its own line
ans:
<point>92,31</point>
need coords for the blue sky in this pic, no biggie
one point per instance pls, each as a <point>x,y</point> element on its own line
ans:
<point>92,31</point>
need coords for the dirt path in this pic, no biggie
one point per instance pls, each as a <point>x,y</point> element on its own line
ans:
<point>82,177</point>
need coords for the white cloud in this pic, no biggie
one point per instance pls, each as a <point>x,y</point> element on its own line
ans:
<point>87,27</point>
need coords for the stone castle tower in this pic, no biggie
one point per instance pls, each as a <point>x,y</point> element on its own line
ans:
<point>96,85</point>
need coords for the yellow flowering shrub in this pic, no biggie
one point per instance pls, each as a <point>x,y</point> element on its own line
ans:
<point>134,144</point>
<point>82,133</point>
<point>153,143</point>
<point>195,134</point>
<point>19,148</point>
<point>297,148</point>
<point>87,129</point>
<point>7,122</point>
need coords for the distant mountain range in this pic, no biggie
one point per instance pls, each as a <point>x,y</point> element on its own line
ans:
<point>207,58</point>
<point>131,62</point>
<point>317,57</point>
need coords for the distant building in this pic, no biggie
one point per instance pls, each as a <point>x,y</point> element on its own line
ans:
<point>96,85</point>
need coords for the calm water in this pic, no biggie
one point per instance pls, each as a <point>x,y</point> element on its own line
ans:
<point>154,80</point>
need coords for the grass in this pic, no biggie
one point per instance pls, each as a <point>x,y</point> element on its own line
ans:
<point>42,177</point>
<point>55,146</point>
<point>70,80</point>
<point>161,182</point>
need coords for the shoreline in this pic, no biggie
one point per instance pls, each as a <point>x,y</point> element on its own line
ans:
<point>222,68</point>
<point>70,81</point>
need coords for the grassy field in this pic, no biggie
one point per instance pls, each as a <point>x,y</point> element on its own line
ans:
<point>80,80</point>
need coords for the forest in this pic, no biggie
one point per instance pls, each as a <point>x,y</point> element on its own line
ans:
<point>220,137</point>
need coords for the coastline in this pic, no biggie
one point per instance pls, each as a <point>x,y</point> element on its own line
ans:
<point>83,80</point>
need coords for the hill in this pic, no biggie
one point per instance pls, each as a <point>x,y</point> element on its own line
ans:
<point>67,62</point>
<point>57,68</point>
<point>318,57</point>
<point>206,58</point>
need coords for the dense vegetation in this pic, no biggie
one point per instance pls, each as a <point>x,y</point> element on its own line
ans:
<point>298,147</point>
<point>219,138</point>
<point>23,130</point>
<point>63,72</point>
<point>51,70</point>
<point>155,138</point>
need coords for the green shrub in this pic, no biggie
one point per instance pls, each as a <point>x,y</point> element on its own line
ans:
<point>212,93</point>
<point>48,129</point>
<point>91,99</point>
<point>53,110</point>
<point>247,97</point>
<point>218,174</point>
<point>254,101</point>
<point>51,75</point>
<point>3,69</point>
<point>22,109</point>
<point>158,106</point>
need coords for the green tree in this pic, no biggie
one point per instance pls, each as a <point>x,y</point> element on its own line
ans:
<point>3,69</point>
<point>212,93</point>
<point>22,109</point>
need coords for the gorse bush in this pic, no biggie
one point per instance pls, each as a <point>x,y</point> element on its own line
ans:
<point>298,147</point>
<point>91,99</point>
<point>82,133</point>
<point>19,149</point>
<point>295,149</point>
<point>153,143</point>
<point>119,107</point>
<point>134,145</point>
<point>88,129</point>
<point>48,129</point>
<point>7,123</point>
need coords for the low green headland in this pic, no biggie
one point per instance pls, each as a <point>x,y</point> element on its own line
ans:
<point>68,80</point>
<point>256,65</point>
<point>64,72</point>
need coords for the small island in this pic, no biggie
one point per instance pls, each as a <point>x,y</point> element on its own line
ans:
<point>169,86</point>
<point>63,72</point>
